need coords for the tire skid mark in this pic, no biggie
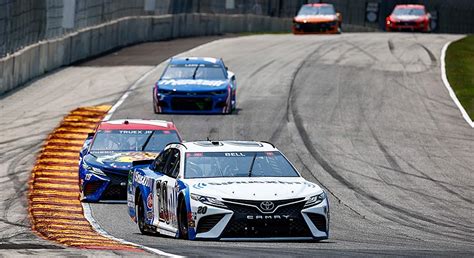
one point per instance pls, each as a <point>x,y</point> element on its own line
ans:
<point>287,119</point>
<point>422,95</point>
<point>294,116</point>
<point>261,68</point>
<point>55,211</point>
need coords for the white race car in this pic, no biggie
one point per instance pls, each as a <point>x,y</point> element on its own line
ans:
<point>226,190</point>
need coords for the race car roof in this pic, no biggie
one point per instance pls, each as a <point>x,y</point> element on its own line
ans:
<point>194,60</point>
<point>410,6</point>
<point>136,124</point>
<point>319,4</point>
<point>227,146</point>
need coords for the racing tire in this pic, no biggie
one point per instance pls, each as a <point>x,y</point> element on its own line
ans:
<point>155,110</point>
<point>140,208</point>
<point>140,215</point>
<point>183,220</point>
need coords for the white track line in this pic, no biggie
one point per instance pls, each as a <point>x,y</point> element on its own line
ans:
<point>127,93</point>
<point>98,229</point>
<point>87,210</point>
<point>448,86</point>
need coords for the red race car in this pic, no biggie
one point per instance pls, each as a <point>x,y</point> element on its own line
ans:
<point>410,17</point>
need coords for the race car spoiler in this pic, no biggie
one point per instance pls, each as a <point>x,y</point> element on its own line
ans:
<point>142,162</point>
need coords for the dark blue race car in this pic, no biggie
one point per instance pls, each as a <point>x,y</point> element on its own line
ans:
<point>107,155</point>
<point>195,85</point>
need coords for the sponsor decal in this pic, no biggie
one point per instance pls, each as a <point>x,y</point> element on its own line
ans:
<point>126,157</point>
<point>149,201</point>
<point>200,185</point>
<point>142,180</point>
<point>174,82</point>
<point>134,132</point>
<point>234,154</point>
<point>203,185</point>
<point>191,222</point>
<point>149,215</point>
<point>194,154</point>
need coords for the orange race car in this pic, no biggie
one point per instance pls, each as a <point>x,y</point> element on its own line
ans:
<point>409,17</point>
<point>317,18</point>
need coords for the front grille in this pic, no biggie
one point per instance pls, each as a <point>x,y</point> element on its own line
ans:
<point>187,104</point>
<point>315,27</point>
<point>197,93</point>
<point>117,188</point>
<point>407,23</point>
<point>285,221</point>
<point>91,187</point>
<point>257,203</point>
<point>318,220</point>
<point>207,223</point>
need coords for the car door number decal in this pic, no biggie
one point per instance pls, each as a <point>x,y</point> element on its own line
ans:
<point>202,210</point>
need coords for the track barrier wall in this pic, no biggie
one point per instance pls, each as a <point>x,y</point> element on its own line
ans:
<point>47,55</point>
<point>37,36</point>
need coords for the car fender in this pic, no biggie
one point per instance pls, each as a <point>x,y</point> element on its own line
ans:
<point>140,182</point>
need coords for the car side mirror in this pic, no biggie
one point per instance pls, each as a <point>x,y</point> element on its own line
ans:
<point>231,75</point>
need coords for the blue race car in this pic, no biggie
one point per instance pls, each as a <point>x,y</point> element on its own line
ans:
<point>195,85</point>
<point>107,155</point>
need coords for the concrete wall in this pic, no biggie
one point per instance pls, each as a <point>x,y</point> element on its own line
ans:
<point>39,58</point>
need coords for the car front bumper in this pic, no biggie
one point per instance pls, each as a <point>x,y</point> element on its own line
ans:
<point>315,28</point>
<point>111,187</point>
<point>193,103</point>
<point>241,222</point>
<point>407,26</point>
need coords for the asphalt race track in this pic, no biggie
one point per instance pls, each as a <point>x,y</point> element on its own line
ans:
<point>364,115</point>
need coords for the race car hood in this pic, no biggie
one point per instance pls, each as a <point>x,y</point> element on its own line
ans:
<point>405,18</point>
<point>315,18</point>
<point>254,188</point>
<point>192,85</point>
<point>118,160</point>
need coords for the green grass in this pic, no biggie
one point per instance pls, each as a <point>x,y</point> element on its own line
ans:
<point>460,71</point>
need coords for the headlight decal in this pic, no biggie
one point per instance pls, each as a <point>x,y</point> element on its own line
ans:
<point>208,200</point>
<point>315,200</point>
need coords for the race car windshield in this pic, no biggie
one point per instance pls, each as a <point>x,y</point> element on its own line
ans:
<point>316,10</point>
<point>409,11</point>
<point>107,141</point>
<point>194,71</point>
<point>237,164</point>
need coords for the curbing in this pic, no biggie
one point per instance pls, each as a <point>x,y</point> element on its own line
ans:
<point>54,209</point>
<point>444,77</point>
